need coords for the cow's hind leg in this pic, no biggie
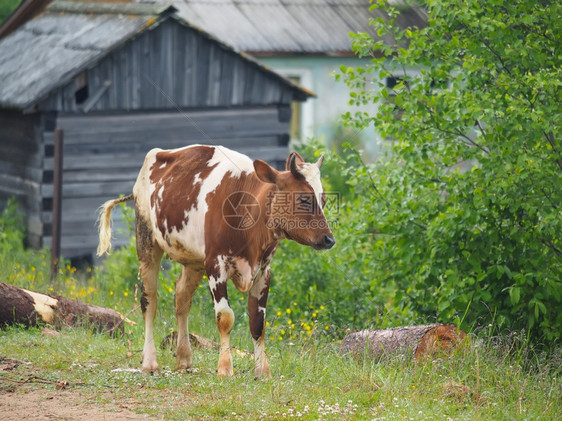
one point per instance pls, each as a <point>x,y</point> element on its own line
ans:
<point>257,301</point>
<point>224,316</point>
<point>150,255</point>
<point>185,287</point>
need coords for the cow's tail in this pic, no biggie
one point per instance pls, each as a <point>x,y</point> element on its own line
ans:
<point>104,222</point>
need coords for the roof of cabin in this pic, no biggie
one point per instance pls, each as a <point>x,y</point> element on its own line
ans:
<point>51,49</point>
<point>265,27</point>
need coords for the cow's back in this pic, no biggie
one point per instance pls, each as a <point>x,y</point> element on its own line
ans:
<point>171,194</point>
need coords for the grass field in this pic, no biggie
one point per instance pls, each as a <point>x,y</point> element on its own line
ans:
<point>310,381</point>
<point>492,379</point>
<point>497,377</point>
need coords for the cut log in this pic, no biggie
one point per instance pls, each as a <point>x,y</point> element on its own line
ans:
<point>416,341</point>
<point>29,308</point>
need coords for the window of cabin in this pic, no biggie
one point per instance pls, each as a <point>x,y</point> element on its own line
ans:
<point>295,130</point>
<point>81,92</point>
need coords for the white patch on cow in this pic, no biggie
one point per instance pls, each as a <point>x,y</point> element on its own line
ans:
<point>143,188</point>
<point>262,366</point>
<point>311,173</point>
<point>197,178</point>
<point>222,305</point>
<point>163,165</point>
<point>232,161</point>
<point>192,234</point>
<point>244,275</point>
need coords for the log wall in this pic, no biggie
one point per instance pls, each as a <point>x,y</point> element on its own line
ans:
<point>103,154</point>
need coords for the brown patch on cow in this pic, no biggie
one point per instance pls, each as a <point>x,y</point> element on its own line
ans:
<point>247,243</point>
<point>143,299</point>
<point>179,253</point>
<point>257,317</point>
<point>145,240</point>
<point>225,322</point>
<point>174,171</point>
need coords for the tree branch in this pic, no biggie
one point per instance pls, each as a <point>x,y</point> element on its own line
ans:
<point>550,139</point>
<point>551,245</point>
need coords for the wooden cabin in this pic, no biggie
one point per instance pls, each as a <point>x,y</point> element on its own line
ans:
<point>119,79</point>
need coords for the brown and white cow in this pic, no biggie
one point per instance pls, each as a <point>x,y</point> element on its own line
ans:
<point>215,210</point>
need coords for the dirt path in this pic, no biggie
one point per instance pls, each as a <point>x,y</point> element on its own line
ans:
<point>40,405</point>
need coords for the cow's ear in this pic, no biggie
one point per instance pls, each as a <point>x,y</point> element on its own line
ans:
<point>265,172</point>
<point>298,160</point>
<point>320,161</point>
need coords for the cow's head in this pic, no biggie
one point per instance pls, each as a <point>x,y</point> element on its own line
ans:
<point>295,206</point>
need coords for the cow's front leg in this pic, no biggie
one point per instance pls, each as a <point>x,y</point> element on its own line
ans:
<point>224,316</point>
<point>257,302</point>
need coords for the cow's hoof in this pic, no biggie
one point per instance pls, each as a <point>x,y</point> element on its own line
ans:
<point>224,372</point>
<point>150,372</point>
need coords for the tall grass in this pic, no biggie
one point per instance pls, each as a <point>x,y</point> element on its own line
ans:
<point>494,378</point>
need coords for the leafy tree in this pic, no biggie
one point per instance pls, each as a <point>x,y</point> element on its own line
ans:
<point>466,212</point>
<point>6,8</point>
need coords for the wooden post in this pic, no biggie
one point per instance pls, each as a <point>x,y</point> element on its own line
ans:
<point>57,203</point>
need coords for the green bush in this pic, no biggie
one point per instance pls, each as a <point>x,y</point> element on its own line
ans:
<point>464,217</point>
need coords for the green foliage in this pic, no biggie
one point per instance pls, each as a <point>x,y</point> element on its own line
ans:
<point>6,8</point>
<point>19,266</point>
<point>11,227</point>
<point>464,217</point>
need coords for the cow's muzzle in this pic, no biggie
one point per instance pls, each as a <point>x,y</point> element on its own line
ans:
<point>327,242</point>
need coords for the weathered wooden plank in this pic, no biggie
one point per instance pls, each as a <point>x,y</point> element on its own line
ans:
<point>107,175</point>
<point>225,83</point>
<point>17,185</point>
<point>273,153</point>
<point>74,224</point>
<point>101,161</point>
<point>135,49</point>
<point>237,97</point>
<point>115,121</point>
<point>18,155</point>
<point>86,241</point>
<point>19,170</point>
<point>83,209</point>
<point>153,127</point>
<point>169,143</point>
<point>215,66</point>
<point>130,162</point>
<point>190,69</point>
<point>201,84</point>
<point>72,190</point>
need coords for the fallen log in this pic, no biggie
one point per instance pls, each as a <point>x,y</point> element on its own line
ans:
<point>21,306</point>
<point>416,341</point>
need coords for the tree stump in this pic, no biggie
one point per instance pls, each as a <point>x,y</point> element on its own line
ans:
<point>21,306</point>
<point>415,341</point>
